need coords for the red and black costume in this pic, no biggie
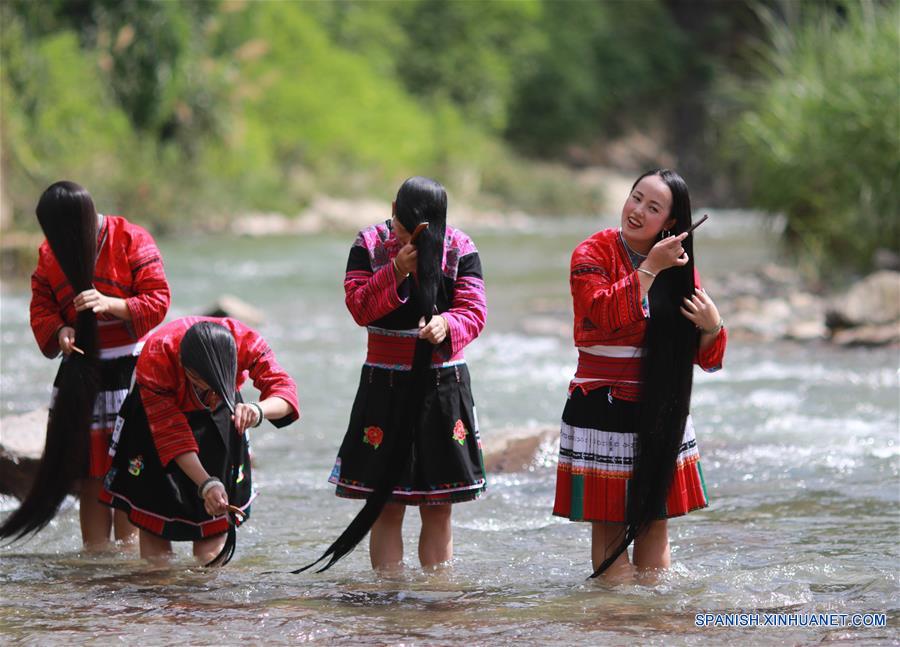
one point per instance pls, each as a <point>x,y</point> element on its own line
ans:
<point>446,465</point>
<point>164,418</point>
<point>129,266</point>
<point>597,438</point>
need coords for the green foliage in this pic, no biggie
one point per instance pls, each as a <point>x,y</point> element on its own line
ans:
<point>818,136</point>
<point>602,66</point>
<point>57,119</point>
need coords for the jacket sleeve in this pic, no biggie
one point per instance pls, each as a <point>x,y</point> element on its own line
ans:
<point>45,311</point>
<point>152,296</point>
<point>468,313</point>
<point>710,360</point>
<point>255,355</point>
<point>169,428</point>
<point>611,305</point>
<point>371,295</point>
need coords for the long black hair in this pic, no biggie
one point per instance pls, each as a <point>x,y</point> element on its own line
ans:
<point>209,349</point>
<point>670,344</point>
<point>68,218</point>
<point>419,199</point>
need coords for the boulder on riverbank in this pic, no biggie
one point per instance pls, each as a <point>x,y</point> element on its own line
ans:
<point>21,445</point>
<point>228,305</point>
<point>774,303</point>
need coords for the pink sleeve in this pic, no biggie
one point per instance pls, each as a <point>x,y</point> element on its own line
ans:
<point>466,317</point>
<point>370,296</point>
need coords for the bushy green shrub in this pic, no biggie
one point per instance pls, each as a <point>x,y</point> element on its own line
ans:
<point>817,137</point>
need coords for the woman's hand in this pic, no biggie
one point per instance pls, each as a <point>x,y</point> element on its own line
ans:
<point>215,501</point>
<point>435,330</point>
<point>245,416</point>
<point>666,253</point>
<point>100,304</point>
<point>702,312</point>
<point>406,260</point>
<point>66,339</point>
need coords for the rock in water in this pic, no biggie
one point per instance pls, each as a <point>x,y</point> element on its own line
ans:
<point>518,450</point>
<point>21,445</point>
<point>230,306</point>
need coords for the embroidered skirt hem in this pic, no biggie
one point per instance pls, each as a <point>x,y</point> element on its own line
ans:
<point>596,454</point>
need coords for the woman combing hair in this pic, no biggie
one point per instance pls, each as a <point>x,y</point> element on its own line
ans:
<point>181,466</point>
<point>628,456</point>
<point>415,283</point>
<point>98,289</point>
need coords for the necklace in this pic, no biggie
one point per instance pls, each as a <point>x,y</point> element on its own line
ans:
<point>636,257</point>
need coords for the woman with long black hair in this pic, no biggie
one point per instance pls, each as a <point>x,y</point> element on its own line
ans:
<point>181,457</point>
<point>628,457</point>
<point>98,289</point>
<point>413,436</point>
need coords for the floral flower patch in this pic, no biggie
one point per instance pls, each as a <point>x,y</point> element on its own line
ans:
<point>373,436</point>
<point>460,432</point>
<point>135,465</point>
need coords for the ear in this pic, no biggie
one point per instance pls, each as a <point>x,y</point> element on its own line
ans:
<point>670,224</point>
<point>393,207</point>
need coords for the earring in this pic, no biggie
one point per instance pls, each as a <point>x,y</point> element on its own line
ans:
<point>666,233</point>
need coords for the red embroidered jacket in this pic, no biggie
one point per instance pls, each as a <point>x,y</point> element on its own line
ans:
<point>129,266</point>
<point>611,318</point>
<point>166,392</point>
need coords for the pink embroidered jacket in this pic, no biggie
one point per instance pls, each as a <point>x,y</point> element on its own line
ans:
<point>375,300</point>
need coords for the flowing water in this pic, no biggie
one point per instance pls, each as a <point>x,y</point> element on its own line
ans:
<point>799,446</point>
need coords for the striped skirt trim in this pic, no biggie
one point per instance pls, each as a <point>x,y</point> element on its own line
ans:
<point>169,527</point>
<point>596,464</point>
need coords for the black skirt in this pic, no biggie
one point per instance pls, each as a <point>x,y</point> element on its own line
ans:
<point>445,466</point>
<point>163,500</point>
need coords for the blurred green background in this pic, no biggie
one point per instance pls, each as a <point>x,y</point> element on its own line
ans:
<point>181,113</point>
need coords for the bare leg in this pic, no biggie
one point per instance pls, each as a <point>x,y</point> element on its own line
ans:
<point>386,538</point>
<point>155,549</point>
<point>96,518</point>
<point>205,550</point>
<point>651,547</point>
<point>605,538</point>
<point>436,539</point>
<point>123,530</point>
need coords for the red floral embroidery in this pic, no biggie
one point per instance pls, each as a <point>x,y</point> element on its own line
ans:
<point>373,436</point>
<point>459,432</point>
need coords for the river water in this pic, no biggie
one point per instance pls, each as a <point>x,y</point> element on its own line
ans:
<point>799,446</point>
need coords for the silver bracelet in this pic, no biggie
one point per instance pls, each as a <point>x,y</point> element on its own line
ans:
<point>714,331</point>
<point>647,272</point>
<point>207,485</point>
<point>259,410</point>
<point>397,269</point>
